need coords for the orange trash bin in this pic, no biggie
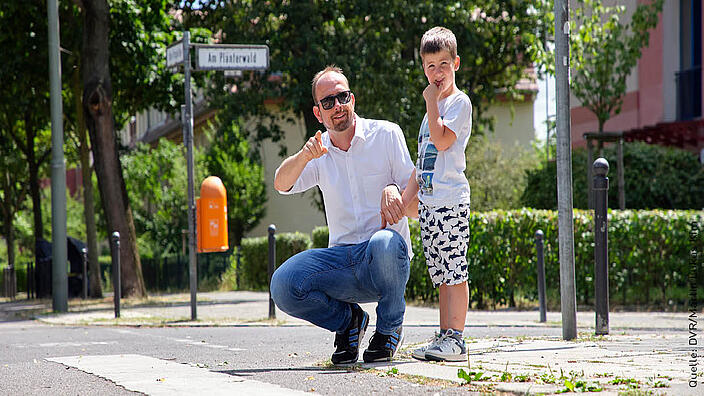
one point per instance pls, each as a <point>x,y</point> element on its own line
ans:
<point>211,218</point>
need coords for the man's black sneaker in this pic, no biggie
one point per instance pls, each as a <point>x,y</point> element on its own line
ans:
<point>347,342</point>
<point>382,347</point>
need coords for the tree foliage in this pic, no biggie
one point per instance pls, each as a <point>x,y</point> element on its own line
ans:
<point>156,184</point>
<point>376,43</point>
<point>13,189</point>
<point>496,174</point>
<point>229,157</point>
<point>604,50</point>
<point>24,98</point>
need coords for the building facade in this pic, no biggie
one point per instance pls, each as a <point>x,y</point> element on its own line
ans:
<point>663,102</point>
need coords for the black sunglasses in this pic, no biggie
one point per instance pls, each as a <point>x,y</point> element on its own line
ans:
<point>329,101</point>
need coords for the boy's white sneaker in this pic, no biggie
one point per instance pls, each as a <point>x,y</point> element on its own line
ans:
<point>419,353</point>
<point>450,347</point>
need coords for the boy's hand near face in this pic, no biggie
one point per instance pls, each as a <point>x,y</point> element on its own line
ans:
<point>432,92</point>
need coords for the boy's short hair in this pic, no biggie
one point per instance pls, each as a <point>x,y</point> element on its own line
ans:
<point>438,39</point>
<point>329,68</point>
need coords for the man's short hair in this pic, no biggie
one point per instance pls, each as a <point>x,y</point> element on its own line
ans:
<point>318,75</point>
<point>438,39</point>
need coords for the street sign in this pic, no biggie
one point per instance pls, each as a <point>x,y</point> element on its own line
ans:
<point>229,57</point>
<point>232,57</point>
<point>174,54</point>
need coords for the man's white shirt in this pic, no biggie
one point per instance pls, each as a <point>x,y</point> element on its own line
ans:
<point>352,180</point>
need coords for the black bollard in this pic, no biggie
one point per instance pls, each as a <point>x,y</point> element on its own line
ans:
<point>84,255</point>
<point>601,245</point>
<point>272,259</point>
<point>238,257</point>
<point>541,275</point>
<point>30,280</point>
<point>116,284</point>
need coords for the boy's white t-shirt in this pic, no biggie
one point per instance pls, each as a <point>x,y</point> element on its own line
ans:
<point>440,174</point>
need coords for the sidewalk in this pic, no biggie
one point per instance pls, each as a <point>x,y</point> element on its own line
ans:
<point>645,353</point>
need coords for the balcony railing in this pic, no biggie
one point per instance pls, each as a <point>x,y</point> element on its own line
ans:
<point>689,93</point>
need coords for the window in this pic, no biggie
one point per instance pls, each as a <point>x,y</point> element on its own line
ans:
<point>689,78</point>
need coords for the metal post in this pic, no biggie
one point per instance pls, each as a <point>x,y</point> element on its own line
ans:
<point>541,275</point>
<point>84,255</point>
<point>116,283</point>
<point>601,244</point>
<point>10,283</point>
<point>188,141</point>
<point>568,293</point>
<point>238,257</point>
<point>590,161</point>
<point>59,272</point>
<point>272,259</point>
<point>621,187</point>
<point>30,279</point>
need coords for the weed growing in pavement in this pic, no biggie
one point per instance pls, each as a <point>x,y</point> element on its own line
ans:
<point>548,378</point>
<point>659,381</point>
<point>579,385</point>
<point>506,376</point>
<point>471,376</point>
<point>638,392</point>
<point>603,375</point>
<point>631,383</point>
<point>576,383</point>
<point>392,372</point>
<point>591,337</point>
<point>522,378</point>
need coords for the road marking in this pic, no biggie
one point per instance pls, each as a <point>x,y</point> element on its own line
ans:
<point>187,341</point>
<point>64,344</point>
<point>160,377</point>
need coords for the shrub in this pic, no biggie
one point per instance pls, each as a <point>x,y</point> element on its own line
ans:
<point>320,237</point>
<point>648,257</point>
<point>229,157</point>
<point>654,177</point>
<point>496,174</point>
<point>255,257</point>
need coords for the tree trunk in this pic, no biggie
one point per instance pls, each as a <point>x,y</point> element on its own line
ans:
<point>600,143</point>
<point>10,241</point>
<point>97,104</point>
<point>33,167</point>
<point>96,290</point>
<point>7,215</point>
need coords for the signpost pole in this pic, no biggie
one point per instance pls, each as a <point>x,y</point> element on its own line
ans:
<point>188,135</point>
<point>58,168</point>
<point>208,57</point>
<point>568,294</point>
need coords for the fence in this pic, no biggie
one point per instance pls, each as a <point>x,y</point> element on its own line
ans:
<point>171,273</point>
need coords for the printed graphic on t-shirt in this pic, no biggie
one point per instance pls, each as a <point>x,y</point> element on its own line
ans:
<point>427,154</point>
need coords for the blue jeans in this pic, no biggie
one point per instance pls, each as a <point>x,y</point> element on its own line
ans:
<point>319,285</point>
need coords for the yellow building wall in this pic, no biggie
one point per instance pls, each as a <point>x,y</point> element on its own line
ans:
<point>288,212</point>
<point>513,129</point>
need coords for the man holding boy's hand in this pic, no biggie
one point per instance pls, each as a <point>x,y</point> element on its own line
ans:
<point>356,163</point>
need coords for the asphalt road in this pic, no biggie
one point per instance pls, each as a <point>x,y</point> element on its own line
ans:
<point>294,357</point>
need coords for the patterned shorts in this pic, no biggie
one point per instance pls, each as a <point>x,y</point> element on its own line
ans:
<point>444,231</point>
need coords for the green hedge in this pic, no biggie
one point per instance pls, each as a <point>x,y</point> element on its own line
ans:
<point>320,237</point>
<point>255,257</point>
<point>648,258</point>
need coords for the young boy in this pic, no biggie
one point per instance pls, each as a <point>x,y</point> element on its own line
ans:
<point>443,191</point>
